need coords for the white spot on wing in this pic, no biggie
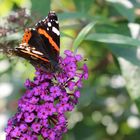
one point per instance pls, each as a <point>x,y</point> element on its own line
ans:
<point>37,52</point>
<point>43,20</point>
<point>49,24</point>
<point>23,45</point>
<point>56,31</point>
<point>56,21</point>
<point>28,49</point>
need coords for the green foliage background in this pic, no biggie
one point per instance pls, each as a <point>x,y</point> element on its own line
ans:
<point>101,30</point>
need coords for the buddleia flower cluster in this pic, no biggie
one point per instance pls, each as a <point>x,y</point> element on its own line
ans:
<point>41,110</point>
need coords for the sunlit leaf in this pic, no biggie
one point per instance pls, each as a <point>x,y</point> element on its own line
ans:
<point>113,38</point>
<point>85,16</point>
<point>125,11</point>
<point>125,51</point>
<point>83,33</point>
<point>83,5</point>
<point>5,7</point>
<point>131,74</point>
<point>71,15</point>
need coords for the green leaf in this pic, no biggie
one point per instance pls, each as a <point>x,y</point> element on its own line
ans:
<point>83,33</point>
<point>131,73</point>
<point>125,11</point>
<point>130,69</point>
<point>83,5</point>
<point>113,38</point>
<point>79,15</point>
<point>121,47</point>
<point>42,7</point>
<point>125,51</point>
<point>71,15</point>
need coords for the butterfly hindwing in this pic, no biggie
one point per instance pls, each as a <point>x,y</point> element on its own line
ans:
<point>32,48</point>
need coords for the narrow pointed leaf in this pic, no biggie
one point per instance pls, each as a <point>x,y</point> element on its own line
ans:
<point>83,33</point>
<point>113,38</point>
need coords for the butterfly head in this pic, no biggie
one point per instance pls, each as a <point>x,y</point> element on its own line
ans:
<point>52,16</point>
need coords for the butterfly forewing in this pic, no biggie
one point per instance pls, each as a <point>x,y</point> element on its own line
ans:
<point>40,45</point>
<point>49,31</point>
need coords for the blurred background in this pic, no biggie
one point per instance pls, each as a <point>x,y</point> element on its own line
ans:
<point>106,32</point>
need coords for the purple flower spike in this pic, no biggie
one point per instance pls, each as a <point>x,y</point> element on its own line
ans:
<point>41,110</point>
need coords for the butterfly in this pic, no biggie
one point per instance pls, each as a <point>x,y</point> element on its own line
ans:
<point>41,44</point>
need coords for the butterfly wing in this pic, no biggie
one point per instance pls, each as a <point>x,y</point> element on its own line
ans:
<point>32,49</point>
<point>49,32</point>
<point>41,45</point>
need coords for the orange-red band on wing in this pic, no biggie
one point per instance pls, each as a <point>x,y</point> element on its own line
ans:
<point>43,32</point>
<point>27,35</point>
<point>32,54</point>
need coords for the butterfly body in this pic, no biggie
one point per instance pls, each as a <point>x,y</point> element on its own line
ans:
<point>41,45</point>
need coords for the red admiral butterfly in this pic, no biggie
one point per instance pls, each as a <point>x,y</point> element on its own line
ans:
<point>41,45</point>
